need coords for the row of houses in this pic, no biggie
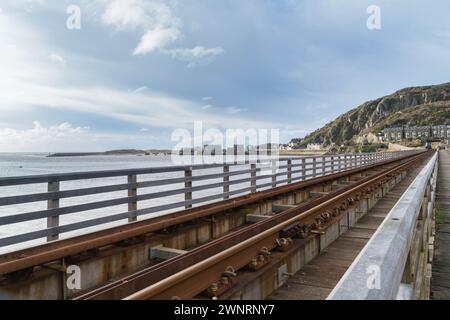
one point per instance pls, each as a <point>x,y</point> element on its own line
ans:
<point>416,132</point>
<point>211,150</point>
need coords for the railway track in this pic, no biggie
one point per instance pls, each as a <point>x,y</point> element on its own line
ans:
<point>210,269</point>
<point>25,260</point>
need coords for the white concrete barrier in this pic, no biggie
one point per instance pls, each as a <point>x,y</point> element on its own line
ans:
<point>377,272</point>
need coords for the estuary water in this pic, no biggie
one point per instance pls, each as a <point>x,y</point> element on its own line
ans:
<point>29,164</point>
<point>25,164</point>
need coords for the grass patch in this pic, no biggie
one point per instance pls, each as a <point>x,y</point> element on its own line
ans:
<point>439,215</point>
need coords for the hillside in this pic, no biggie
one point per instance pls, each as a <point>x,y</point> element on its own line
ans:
<point>410,106</point>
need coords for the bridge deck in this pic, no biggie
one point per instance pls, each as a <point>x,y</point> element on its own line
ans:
<point>316,280</point>
<point>440,288</point>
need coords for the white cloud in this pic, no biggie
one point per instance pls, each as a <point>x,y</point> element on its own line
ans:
<point>162,28</point>
<point>141,89</point>
<point>194,55</point>
<point>29,81</point>
<point>155,17</point>
<point>57,58</point>
<point>148,108</point>
<point>156,39</point>
<point>207,98</point>
<point>235,110</point>
<point>208,106</point>
<point>40,137</point>
<point>23,57</point>
<point>143,14</point>
<point>66,137</point>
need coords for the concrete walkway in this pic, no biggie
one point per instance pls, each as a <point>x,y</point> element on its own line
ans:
<point>440,282</point>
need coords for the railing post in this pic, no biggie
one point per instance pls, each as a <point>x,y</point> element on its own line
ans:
<point>323,165</point>
<point>274,173</point>
<point>303,169</point>
<point>53,221</point>
<point>289,171</point>
<point>314,167</point>
<point>226,182</point>
<point>188,186</point>
<point>132,192</point>
<point>253,177</point>
<point>332,164</point>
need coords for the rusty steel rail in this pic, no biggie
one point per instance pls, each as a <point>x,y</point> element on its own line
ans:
<point>187,275</point>
<point>55,250</point>
<point>192,280</point>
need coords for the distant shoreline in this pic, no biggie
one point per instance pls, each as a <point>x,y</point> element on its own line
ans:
<point>130,152</point>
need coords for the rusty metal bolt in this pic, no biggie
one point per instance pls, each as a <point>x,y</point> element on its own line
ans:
<point>229,272</point>
<point>336,212</point>
<point>284,241</point>
<point>264,251</point>
<point>280,242</point>
<point>213,288</point>
<point>318,223</point>
<point>325,216</point>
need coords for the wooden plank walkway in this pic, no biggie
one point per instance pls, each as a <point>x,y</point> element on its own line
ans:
<point>316,280</point>
<point>440,281</point>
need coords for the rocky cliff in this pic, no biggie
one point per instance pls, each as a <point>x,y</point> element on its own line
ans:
<point>411,106</point>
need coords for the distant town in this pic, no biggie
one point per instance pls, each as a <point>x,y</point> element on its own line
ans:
<point>438,132</point>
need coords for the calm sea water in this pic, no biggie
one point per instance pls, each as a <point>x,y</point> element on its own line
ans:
<point>28,164</point>
<point>24,164</point>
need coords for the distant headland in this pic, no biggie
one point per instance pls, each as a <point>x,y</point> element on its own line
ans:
<point>122,152</point>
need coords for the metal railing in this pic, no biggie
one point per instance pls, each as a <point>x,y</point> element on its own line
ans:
<point>390,266</point>
<point>173,187</point>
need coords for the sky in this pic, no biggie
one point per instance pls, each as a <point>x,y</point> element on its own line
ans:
<point>96,75</point>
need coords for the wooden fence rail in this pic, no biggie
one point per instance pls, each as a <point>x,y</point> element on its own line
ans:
<point>231,179</point>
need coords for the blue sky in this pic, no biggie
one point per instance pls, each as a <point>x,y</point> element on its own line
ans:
<point>139,69</point>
